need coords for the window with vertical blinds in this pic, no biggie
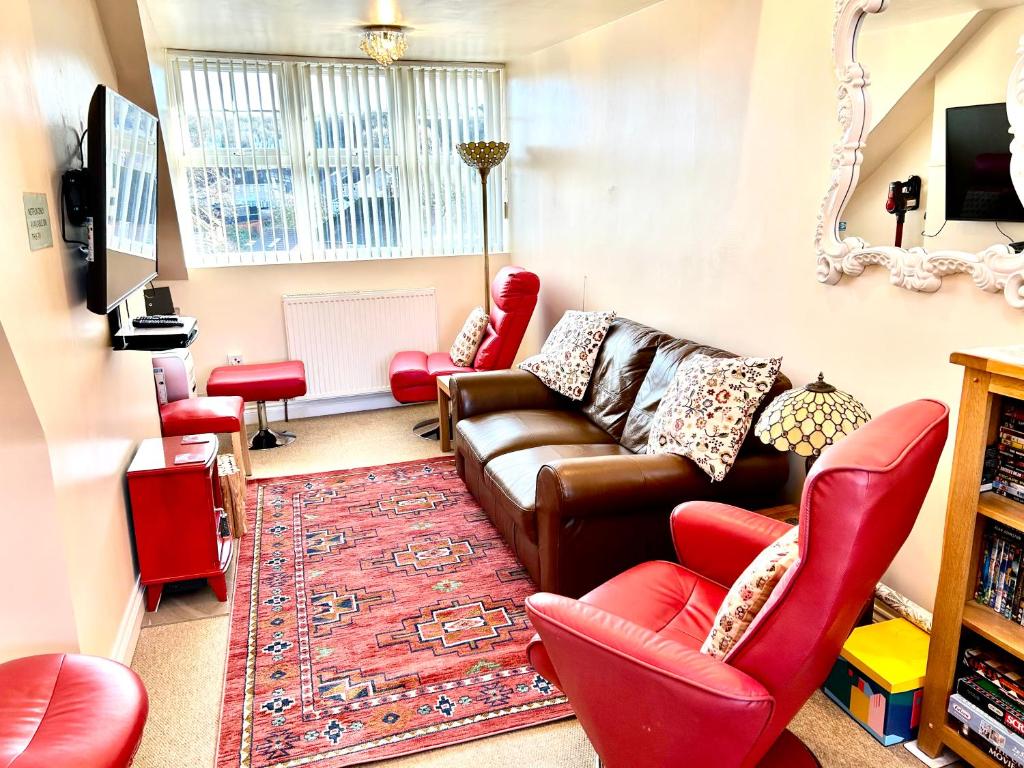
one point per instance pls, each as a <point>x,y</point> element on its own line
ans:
<point>291,161</point>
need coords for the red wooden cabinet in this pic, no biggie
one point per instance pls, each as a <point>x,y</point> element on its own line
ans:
<point>176,510</point>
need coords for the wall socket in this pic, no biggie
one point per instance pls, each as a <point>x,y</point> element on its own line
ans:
<point>234,359</point>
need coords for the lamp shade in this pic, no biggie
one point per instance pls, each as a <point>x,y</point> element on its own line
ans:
<point>810,418</point>
<point>483,155</point>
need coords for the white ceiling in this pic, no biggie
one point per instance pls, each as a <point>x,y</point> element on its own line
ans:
<point>440,30</point>
<point>909,11</point>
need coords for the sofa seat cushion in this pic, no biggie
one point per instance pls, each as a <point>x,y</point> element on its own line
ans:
<point>513,478</point>
<point>490,435</point>
<point>412,374</point>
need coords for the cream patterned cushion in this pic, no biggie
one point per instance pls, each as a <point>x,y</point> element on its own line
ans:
<point>706,412</point>
<point>566,361</point>
<point>464,347</point>
<point>750,593</point>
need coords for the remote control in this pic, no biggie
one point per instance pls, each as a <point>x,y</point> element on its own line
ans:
<point>157,321</point>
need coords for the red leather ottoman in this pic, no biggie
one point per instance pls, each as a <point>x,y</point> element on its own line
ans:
<point>258,383</point>
<point>65,709</point>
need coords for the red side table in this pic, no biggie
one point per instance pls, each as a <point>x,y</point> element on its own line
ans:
<point>177,510</point>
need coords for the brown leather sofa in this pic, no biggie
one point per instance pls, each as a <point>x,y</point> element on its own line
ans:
<point>568,484</point>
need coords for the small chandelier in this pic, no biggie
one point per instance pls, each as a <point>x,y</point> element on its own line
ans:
<point>385,44</point>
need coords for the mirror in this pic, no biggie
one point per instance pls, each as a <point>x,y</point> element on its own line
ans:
<point>925,182</point>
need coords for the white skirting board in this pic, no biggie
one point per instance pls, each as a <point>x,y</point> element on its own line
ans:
<point>131,624</point>
<point>323,406</point>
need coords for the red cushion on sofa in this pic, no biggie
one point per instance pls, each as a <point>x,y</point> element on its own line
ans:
<point>195,415</point>
<point>259,381</point>
<point>65,709</point>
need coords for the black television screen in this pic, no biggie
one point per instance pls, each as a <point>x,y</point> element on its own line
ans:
<point>122,169</point>
<point>978,184</point>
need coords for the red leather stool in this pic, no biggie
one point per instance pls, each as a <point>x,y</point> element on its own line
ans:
<point>258,383</point>
<point>64,709</point>
<point>199,415</point>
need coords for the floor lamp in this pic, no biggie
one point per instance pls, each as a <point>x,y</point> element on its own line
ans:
<point>484,155</point>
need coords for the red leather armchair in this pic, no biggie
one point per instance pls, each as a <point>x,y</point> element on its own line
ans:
<point>628,653</point>
<point>513,298</point>
<point>63,709</point>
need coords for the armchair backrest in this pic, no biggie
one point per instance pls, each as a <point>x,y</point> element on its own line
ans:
<point>175,377</point>
<point>859,503</point>
<point>514,293</point>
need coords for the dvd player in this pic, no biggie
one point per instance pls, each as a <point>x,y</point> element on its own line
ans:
<point>157,339</point>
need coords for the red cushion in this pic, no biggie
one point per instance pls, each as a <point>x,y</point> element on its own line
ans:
<point>260,381</point>
<point>63,710</point>
<point>196,415</point>
<point>663,597</point>
<point>412,375</point>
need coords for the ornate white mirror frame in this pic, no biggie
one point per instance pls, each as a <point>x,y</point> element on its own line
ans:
<point>996,269</point>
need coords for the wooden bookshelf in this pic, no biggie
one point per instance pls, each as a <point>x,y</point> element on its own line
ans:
<point>990,375</point>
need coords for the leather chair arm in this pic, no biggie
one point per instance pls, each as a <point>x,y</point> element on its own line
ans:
<point>719,541</point>
<point>692,704</point>
<point>489,391</point>
<point>614,485</point>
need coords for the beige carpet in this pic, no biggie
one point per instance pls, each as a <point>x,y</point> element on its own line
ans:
<point>182,662</point>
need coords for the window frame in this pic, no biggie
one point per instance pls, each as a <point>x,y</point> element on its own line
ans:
<point>317,233</point>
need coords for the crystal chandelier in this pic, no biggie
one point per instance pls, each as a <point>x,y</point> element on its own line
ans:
<point>384,44</point>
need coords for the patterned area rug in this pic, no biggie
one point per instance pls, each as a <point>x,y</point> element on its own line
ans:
<point>377,613</point>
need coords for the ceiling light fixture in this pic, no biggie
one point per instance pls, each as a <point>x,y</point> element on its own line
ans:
<point>385,44</point>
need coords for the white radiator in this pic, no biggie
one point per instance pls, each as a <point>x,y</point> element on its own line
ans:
<point>347,340</point>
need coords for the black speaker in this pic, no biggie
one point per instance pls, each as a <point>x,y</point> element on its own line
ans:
<point>158,301</point>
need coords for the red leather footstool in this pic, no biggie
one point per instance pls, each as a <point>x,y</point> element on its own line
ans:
<point>199,415</point>
<point>65,709</point>
<point>258,383</point>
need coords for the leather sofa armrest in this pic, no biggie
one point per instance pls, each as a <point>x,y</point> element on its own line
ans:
<point>719,541</point>
<point>490,391</point>
<point>718,711</point>
<point>614,485</point>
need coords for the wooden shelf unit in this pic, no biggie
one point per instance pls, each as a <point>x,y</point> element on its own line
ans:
<point>990,375</point>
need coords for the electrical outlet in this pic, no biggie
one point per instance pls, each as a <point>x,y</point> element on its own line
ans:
<point>234,359</point>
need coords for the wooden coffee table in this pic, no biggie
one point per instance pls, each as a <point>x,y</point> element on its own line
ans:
<point>444,412</point>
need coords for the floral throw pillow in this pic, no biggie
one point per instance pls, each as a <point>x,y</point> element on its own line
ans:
<point>566,361</point>
<point>706,412</point>
<point>464,347</point>
<point>750,593</point>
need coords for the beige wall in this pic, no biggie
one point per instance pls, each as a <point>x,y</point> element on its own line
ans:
<point>239,308</point>
<point>38,614</point>
<point>92,404</point>
<point>676,160</point>
<point>897,55</point>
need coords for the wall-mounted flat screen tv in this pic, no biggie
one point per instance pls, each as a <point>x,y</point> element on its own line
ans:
<point>978,184</point>
<point>122,169</point>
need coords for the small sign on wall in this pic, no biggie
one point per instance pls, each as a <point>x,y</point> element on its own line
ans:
<point>37,220</point>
